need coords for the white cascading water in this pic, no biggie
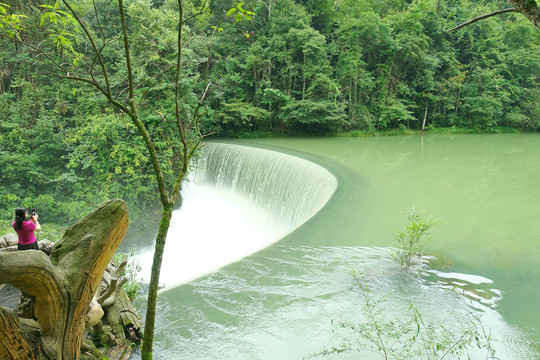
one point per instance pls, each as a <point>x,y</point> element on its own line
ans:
<point>238,201</point>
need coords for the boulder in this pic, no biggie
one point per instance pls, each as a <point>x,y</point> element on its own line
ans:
<point>8,240</point>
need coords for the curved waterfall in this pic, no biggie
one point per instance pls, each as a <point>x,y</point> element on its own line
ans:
<point>288,189</point>
<point>238,201</point>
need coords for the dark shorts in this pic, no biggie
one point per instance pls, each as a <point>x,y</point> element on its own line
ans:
<point>32,246</point>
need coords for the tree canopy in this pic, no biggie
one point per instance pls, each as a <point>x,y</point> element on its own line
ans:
<point>149,78</point>
<point>293,68</point>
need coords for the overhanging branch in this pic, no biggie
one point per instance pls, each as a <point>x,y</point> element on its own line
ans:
<point>502,11</point>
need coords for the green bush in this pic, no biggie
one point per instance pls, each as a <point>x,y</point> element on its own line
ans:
<point>413,238</point>
<point>314,118</point>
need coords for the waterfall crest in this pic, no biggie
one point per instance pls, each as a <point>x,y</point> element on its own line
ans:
<point>289,190</point>
<point>238,201</point>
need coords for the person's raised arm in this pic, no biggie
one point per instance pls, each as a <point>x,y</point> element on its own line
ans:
<point>35,221</point>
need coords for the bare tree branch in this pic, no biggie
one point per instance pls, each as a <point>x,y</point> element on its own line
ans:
<point>201,11</point>
<point>483,17</point>
<point>42,52</point>
<point>94,46</point>
<point>98,22</point>
<point>134,114</point>
<point>161,72</point>
<point>177,77</point>
<point>70,77</point>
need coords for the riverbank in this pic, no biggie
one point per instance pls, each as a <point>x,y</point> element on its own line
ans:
<point>386,132</point>
<point>430,130</point>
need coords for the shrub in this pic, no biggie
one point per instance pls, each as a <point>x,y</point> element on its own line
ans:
<point>413,238</point>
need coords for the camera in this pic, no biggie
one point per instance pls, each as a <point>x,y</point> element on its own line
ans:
<point>33,212</point>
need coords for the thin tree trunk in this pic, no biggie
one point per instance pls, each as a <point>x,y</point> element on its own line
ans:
<point>424,122</point>
<point>147,348</point>
<point>304,79</point>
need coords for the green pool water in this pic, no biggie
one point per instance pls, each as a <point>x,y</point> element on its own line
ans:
<point>281,302</point>
<point>484,189</point>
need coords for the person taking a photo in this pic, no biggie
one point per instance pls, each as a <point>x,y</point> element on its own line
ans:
<point>25,229</point>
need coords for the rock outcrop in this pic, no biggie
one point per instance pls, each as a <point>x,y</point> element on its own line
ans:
<point>60,289</point>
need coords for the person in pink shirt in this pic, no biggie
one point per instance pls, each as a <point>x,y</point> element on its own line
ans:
<point>25,229</point>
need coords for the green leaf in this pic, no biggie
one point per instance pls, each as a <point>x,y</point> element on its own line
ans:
<point>48,6</point>
<point>68,15</point>
<point>230,12</point>
<point>43,18</point>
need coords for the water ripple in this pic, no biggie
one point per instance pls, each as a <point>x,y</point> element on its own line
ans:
<point>281,303</point>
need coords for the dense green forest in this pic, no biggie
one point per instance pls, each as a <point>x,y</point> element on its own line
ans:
<point>304,67</point>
